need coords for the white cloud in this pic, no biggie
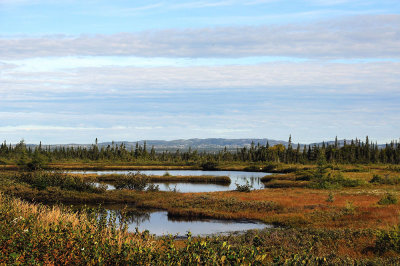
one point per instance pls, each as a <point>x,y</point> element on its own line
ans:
<point>43,128</point>
<point>361,78</point>
<point>357,37</point>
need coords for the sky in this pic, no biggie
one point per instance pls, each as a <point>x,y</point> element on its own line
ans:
<point>72,71</point>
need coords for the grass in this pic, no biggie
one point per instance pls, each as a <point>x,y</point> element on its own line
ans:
<point>33,234</point>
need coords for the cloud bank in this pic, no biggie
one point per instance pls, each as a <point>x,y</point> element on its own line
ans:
<point>369,36</point>
<point>329,78</point>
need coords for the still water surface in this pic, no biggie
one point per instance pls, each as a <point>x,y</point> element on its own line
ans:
<point>159,223</point>
<point>237,177</point>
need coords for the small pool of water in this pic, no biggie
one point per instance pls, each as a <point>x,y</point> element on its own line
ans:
<point>237,177</point>
<point>160,223</point>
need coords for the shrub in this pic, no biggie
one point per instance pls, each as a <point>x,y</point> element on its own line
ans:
<point>377,179</point>
<point>388,241</point>
<point>388,199</point>
<point>349,208</point>
<point>37,163</point>
<point>43,179</point>
<point>253,168</point>
<point>244,188</point>
<point>334,181</point>
<point>152,187</point>
<point>394,168</point>
<point>355,170</point>
<point>134,181</point>
<point>270,167</point>
<point>175,190</point>
<point>209,165</point>
<point>330,197</point>
<point>304,175</point>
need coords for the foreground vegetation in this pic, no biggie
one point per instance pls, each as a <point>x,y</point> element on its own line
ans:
<point>43,235</point>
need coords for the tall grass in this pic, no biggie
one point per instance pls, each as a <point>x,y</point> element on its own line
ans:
<point>32,234</point>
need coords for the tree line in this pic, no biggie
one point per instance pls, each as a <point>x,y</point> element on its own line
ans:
<point>347,152</point>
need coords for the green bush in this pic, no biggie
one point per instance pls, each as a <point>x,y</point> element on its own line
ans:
<point>394,168</point>
<point>166,174</point>
<point>304,175</point>
<point>152,187</point>
<point>377,179</point>
<point>388,241</point>
<point>43,179</point>
<point>270,167</point>
<point>354,170</point>
<point>330,197</point>
<point>330,181</point>
<point>253,168</point>
<point>209,165</point>
<point>388,199</point>
<point>38,162</point>
<point>244,188</point>
<point>136,181</point>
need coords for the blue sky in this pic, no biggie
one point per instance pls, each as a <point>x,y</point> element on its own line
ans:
<point>71,71</point>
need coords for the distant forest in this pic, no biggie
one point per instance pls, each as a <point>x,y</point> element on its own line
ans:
<point>350,152</point>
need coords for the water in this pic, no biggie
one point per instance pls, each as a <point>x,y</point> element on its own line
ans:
<point>160,223</point>
<point>237,177</point>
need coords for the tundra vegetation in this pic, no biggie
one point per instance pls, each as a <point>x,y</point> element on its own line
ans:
<point>330,205</point>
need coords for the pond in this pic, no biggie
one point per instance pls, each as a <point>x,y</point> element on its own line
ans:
<point>237,177</point>
<point>160,223</point>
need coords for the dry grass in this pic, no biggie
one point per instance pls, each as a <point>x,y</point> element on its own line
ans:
<point>301,207</point>
<point>44,217</point>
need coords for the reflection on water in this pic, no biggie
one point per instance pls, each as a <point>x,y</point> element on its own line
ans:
<point>160,223</point>
<point>237,177</point>
<point>133,216</point>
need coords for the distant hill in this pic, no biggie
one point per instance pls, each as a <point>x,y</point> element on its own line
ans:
<point>209,144</point>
